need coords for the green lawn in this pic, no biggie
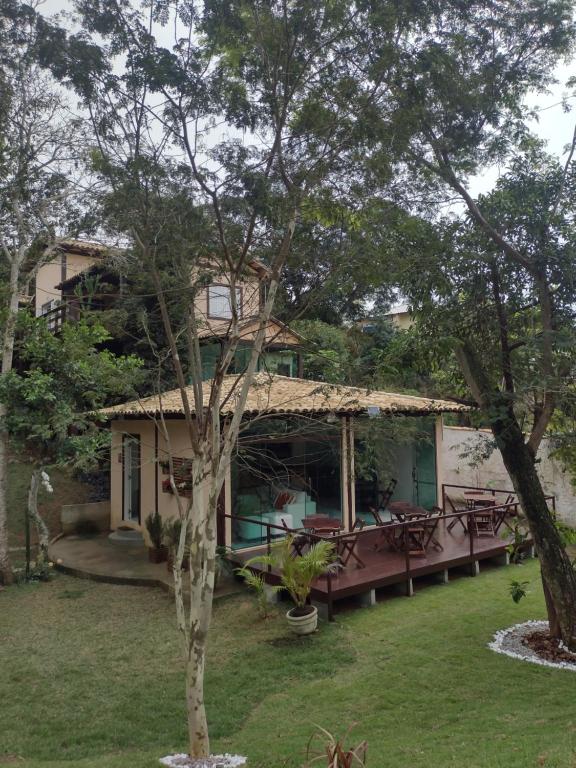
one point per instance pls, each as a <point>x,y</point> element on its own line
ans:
<point>90,676</point>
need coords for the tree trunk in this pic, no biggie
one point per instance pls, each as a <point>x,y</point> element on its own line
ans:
<point>41,527</point>
<point>6,576</point>
<point>558,574</point>
<point>202,578</point>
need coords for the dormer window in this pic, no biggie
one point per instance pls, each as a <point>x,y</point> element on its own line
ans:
<point>220,304</point>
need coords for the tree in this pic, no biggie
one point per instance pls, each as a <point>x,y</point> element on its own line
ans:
<point>276,80</point>
<point>461,83</point>
<point>39,144</point>
<point>50,401</point>
<point>512,330</point>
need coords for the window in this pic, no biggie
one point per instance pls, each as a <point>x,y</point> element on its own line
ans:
<point>48,306</point>
<point>219,303</point>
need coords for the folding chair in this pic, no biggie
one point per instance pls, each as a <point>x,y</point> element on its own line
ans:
<point>346,545</point>
<point>458,519</point>
<point>299,539</point>
<point>382,503</point>
<point>430,524</point>
<point>482,522</point>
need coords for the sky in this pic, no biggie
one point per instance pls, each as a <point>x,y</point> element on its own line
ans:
<point>554,124</point>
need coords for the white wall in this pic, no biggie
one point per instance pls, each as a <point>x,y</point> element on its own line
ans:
<point>492,474</point>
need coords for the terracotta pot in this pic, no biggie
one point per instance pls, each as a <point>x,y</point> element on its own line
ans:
<point>303,625</point>
<point>157,555</point>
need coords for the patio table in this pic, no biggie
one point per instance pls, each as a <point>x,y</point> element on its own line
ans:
<point>322,524</point>
<point>479,499</point>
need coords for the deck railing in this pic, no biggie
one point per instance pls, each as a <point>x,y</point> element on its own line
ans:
<point>465,514</point>
<point>493,491</point>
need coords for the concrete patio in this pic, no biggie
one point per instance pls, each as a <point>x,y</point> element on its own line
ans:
<point>96,557</point>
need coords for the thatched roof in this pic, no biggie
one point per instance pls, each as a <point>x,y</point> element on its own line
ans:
<point>283,395</point>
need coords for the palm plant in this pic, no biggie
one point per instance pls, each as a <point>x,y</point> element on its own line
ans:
<point>155,528</point>
<point>298,572</point>
<point>256,582</point>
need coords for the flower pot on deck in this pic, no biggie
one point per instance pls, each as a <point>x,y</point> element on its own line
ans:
<point>303,621</point>
<point>157,554</point>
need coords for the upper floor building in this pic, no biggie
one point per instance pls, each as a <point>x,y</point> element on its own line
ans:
<point>81,277</point>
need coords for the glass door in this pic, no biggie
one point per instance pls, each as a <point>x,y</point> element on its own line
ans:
<point>425,488</point>
<point>131,478</point>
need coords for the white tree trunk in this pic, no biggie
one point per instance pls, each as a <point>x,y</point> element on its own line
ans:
<point>34,514</point>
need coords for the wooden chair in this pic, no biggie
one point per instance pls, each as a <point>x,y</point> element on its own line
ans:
<point>382,503</point>
<point>346,545</point>
<point>482,522</point>
<point>300,539</point>
<point>430,524</point>
<point>452,510</point>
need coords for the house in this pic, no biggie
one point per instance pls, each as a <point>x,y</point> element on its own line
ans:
<point>303,455</point>
<point>81,277</point>
<point>72,258</point>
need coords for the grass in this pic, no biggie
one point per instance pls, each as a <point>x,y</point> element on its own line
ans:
<point>92,677</point>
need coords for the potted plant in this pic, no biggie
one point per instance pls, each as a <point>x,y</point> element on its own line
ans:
<point>297,573</point>
<point>223,565</point>
<point>172,529</point>
<point>157,553</point>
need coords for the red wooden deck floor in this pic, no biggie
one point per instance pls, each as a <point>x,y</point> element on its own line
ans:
<point>386,567</point>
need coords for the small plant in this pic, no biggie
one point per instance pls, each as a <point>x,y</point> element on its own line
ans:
<point>223,565</point>
<point>518,590</point>
<point>172,530</point>
<point>516,547</point>
<point>155,528</point>
<point>333,753</point>
<point>297,572</point>
<point>256,582</point>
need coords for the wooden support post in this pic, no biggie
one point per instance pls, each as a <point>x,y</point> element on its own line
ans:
<point>272,595</point>
<point>475,568</point>
<point>444,576</point>
<point>324,610</point>
<point>409,585</point>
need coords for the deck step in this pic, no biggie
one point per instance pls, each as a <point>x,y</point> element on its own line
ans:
<point>127,536</point>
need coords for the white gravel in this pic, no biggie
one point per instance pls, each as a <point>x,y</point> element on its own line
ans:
<point>509,642</point>
<point>214,761</point>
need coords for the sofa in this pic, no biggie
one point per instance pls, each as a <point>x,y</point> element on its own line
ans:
<point>289,505</point>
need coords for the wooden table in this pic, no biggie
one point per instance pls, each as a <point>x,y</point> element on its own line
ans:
<point>316,523</point>
<point>479,499</point>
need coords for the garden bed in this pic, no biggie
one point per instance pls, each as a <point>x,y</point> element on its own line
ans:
<point>531,642</point>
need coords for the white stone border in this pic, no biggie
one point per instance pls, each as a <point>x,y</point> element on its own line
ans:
<point>182,760</point>
<point>512,637</point>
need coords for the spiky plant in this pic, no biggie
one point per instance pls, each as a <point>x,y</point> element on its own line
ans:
<point>298,572</point>
<point>256,582</point>
<point>333,753</point>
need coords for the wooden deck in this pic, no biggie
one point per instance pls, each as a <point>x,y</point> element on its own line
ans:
<point>387,567</point>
